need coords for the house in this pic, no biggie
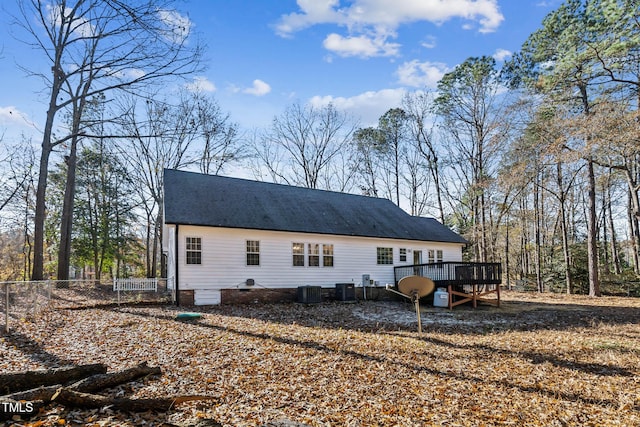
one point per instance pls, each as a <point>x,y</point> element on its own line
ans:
<point>229,239</point>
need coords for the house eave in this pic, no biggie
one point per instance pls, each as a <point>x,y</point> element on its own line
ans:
<point>370,236</point>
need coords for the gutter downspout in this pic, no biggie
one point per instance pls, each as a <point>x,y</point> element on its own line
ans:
<point>176,280</point>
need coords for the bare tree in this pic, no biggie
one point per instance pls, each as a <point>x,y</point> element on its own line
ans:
<point>302,143</point>
<point>368,165</point>
<point>420,108</point>
<point>160,135</point>
<point>93,47</point>
<point>218,134</point>
<point>15,170</point>
<point>392,128</point>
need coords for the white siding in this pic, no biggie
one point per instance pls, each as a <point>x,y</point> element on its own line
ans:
<point>224,259</point>
<point>169,236</point>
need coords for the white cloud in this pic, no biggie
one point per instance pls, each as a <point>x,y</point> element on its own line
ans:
<point>373,13</point>
<point>200,84</point>
<point>502,54</point>
<point>177,27</point>
<point>11,116</point>
<point>361,46</point>
<point>313,12</point>
<point>421,74</point>
<point>81,26</point>
<point>133,73</point>
<point>259,88</point>
<point>380,18</point>
<point>367,106</point>
<point>429,42</point>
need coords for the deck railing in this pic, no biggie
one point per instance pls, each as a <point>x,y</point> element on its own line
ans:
<point>454,273</point>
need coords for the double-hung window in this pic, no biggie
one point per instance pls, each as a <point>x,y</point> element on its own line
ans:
<point>327,255</point>
<point>298,254</point>
<point>253,252</point>
<point>194,250</point>
<point>314,255</point>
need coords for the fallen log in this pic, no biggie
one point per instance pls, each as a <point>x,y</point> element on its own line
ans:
<point>79,394</point>
<point>68,397</point>
<point>43,393</point>
<point>87,385</point>
<point>112,379</point>
<point>20,381</point>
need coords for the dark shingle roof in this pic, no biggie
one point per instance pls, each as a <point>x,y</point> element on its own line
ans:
<point>211,200</point>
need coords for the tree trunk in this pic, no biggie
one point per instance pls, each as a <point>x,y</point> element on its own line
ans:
<point>42,393</point>
<point>635,237</point>
<point>634,216</point>
<point>507,268</point>
<point>538,247</point>
<point>19,381</point>
<point>112,379</point>
<point>47,147</point>
<point>64,251</point>
<point>148,240</point>
<point>78,394</point>
<point>592,242</point>
<point>524,239</point>
<point>37,272</point>
<point>615,256</point>
<point>78,399</point>
<point>566,253</point>
<point>436,178</point>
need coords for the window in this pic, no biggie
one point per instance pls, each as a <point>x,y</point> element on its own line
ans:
<point>194,250</point>
<point>314,251</point>
<point>431,255</point>
<point>403,254</point>
<point>298,254</point>
<point>253,252</point>
<point>314,255</point>
<point>385,256</point>
<point>439,255</point>
<point>327,255</point>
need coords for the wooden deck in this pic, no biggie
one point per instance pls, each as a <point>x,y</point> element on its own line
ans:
<point>465,281</point>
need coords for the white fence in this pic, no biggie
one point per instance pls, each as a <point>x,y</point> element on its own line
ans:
<point>135,285</point>
<point>20,300</point>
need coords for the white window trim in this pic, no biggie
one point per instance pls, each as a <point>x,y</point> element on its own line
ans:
<point>306,254</point>
<point>186,250</point>
<point>385,263</point>
<point>247,253</point>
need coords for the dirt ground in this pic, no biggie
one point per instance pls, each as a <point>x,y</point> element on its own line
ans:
<point>537,360</point>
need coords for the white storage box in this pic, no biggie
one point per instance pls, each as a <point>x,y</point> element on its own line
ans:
<point>441,298</point>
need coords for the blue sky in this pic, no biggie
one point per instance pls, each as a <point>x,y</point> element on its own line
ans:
<point>262,56</point>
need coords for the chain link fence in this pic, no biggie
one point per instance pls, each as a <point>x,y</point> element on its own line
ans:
<point>21,300</point>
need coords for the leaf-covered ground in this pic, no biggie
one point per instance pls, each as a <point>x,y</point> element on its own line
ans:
<point>538,360</point>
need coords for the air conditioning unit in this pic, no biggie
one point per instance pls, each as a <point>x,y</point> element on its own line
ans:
<point>309,294</point>
<point>345,292</point>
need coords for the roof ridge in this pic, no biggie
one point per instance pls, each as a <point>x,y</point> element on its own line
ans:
<point>287,186</point>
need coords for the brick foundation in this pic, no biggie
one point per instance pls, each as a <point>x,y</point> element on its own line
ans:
<point>187,298</point>
<point>262,295</point>
<point>257,295</point>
